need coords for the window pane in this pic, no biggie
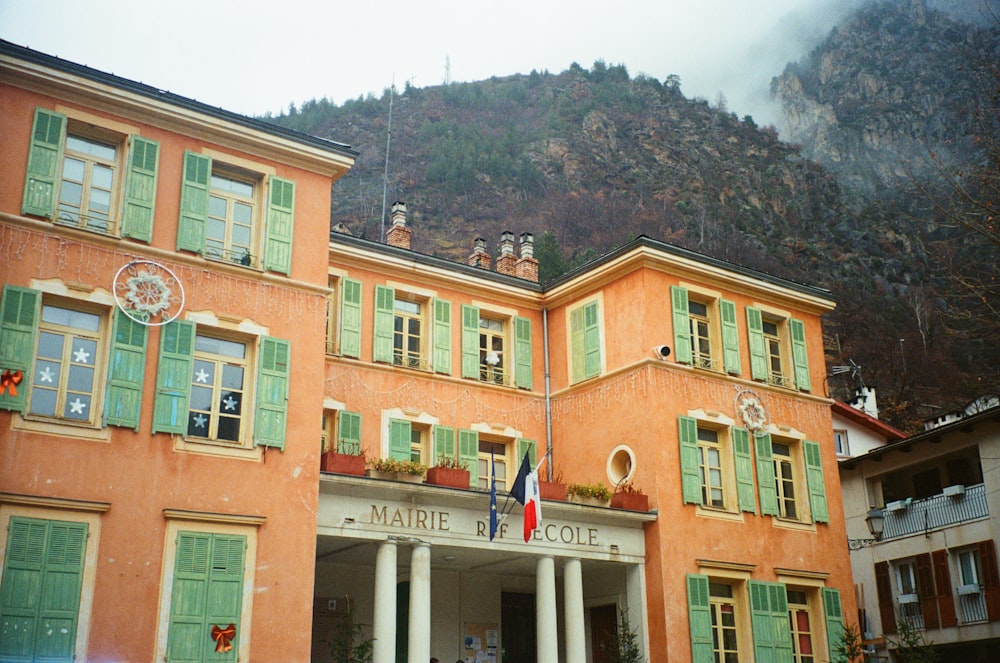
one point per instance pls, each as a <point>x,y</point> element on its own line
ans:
<point>242,213</point>
<point>73,169</point>
<point>201,398</point>
<point>229,429</point>
<point>80,379</point>
<point>50,346</point>
<point>198,423</point>
<point>204,372</point>
<point>70,318</point>
<point>43,402</point>
<point>220,346</point>
<point>78,407</point>
<point>217,207</point>
<point>232,377</point>
<point>101,177</point>
<point>231,404</point>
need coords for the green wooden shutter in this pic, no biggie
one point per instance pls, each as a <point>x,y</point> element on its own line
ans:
<point>385,299</point>
<point>349,432</point>
<point>470,342</point>
<point>800,358</point>
<point>399,439</point>
<point>444,443</point>
<point>140,189</point>
<point>529,447</point>
<point>271,416</point>
<point>730,337</point>
<point>442,336</point>
<point>522,352</point>
<point>468,453</point>
<point>280,224</point>
<point>761,623</point>
<point>758,351</point>
<point>126,372</point>
<point>690,471</point>
<point>19,312</point>
<point>766,486</point>
<point>700,618</point>
<point>173,377</point>
<point>834,621</point>
<point>40,592</point>
<point>781,629</point>
<point>194,203</point>
<point>44,156</point>
<point>578,357</point>
<point>592,339</point>
<point>207,591</point>
<point>817,486</point>
<point>682,324</point>
<point>350,319</point>
<point>744,470</point>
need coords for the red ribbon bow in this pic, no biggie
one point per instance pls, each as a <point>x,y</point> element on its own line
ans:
<point>223,637</point>
<point>9,380</point>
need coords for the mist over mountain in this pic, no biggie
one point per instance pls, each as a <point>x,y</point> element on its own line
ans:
<point>874,118</point>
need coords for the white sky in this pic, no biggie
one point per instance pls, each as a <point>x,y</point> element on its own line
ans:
<point>252,57</point>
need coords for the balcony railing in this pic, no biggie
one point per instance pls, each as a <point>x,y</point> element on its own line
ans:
<point>935,512</point>
<point>972,607</point>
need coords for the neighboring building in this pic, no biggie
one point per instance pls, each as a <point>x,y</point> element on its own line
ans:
<point>161,477</point>
<point>856,427</point>
<point>689,377</point>
<point>934,565</point>
<point>157,481</point>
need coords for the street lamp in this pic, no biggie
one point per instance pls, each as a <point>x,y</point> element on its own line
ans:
<point>875,520</point>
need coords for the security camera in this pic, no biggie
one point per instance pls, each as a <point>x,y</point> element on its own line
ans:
<point>661,351</point>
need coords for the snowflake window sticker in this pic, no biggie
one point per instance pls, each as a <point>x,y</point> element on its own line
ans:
<point>751,411</point>
<point>148,292</point>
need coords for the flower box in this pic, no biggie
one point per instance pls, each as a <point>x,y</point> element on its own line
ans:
<point>448,476</point>
<point>630,501</point>
<point>552,490</point>
<point>589,501</point>
<point>395,476</point>
<point>339,463</point>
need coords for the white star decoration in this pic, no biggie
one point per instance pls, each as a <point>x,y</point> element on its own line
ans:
<point>81,356</point>
<point>199,421</point>
<point>230,403</point>
<point>76,407</point>
<point>46,374</point>
<point>201,376</point>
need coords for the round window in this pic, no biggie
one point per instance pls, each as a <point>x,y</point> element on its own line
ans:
<point>621,464</point>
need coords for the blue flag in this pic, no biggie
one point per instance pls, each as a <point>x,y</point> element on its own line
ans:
<point>493,497</point>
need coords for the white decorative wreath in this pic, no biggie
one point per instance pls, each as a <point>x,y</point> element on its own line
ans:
<point>752,412</point>
<point>148,292</point>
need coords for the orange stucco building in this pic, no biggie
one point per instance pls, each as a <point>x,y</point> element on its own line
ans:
<point>177,320</point>
<point>129,531</point>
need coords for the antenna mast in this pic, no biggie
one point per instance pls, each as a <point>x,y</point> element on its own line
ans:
<point>385,175</point>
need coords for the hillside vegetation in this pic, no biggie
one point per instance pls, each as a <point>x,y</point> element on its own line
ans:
<point>590,157</point>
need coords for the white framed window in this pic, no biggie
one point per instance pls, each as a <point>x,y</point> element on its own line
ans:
<point>232,216</point>
<point>705,333</point>
<point>785,480</point>
<point>801,624</point>
<point>66,381</point>
<point>219,384</point>
<point>840,442</point>
<point>91,173</point>
<point>710,467</point>
<point>409,332</point>
<point>493,364</point>
<point>778,350</point>
<point>725,636</point>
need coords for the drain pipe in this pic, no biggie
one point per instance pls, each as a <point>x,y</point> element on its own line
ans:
<point>548,391</point>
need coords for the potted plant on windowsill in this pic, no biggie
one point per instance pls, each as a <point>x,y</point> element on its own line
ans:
<point>594,494</point>
<point>397,470</point>
<point>346,459</point>
<point>449,472</point>
<point>629,497</point>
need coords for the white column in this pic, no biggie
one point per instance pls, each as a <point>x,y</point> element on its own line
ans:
<point>384,628</point>
<point>420,604</point>
<point>547,634</point>
<point>576,644</point>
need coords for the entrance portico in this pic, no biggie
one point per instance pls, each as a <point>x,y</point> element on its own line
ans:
<point>416,564</point>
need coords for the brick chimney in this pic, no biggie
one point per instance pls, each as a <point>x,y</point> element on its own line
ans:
<point>506,261</point>
<point>398,234</point>
<point>480,258</point>
<point>527,264</point>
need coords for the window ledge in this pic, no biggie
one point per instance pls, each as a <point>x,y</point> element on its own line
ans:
<point>79,431</point>
<point>785,523</point>
<point>210,448</point>
<point>720,514</point>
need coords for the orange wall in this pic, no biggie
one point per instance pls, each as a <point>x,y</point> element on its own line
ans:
<point>139,473</point>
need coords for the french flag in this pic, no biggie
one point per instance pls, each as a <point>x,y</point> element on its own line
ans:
<point>525,491</point>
